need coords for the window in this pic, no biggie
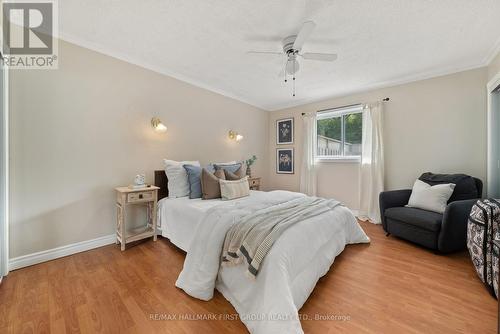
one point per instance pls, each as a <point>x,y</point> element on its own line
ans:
<point>339,132</point>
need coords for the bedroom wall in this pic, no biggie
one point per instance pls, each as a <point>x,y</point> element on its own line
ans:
<point>434,125</point>
<point>80,131</point>
<point>494,67</point>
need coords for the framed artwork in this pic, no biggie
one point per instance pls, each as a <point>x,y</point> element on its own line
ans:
<point>284,161</point>
<point>284,131</point>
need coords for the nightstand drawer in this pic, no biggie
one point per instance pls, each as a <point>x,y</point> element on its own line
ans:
<point>140,196</point>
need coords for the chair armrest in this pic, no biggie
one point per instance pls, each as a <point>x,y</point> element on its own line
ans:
<point>453,234</point>
<point>392,199</point>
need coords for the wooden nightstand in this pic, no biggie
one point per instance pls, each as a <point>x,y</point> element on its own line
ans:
<point>254,183</point>
<point>124,197</point>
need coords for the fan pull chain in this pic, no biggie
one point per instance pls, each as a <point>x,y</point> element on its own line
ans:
<point>284,71</point>
<point>294,78</point>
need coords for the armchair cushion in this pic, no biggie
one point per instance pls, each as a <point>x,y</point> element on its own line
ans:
<point>427,220</point>
<point>465,185</point>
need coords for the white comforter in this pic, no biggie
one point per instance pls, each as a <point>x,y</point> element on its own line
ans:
<point>304,253</point>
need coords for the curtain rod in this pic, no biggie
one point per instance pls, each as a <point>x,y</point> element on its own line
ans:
<point>351,105</point>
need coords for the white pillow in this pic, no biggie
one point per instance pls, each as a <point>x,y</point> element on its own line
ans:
<point>178,185</point>
<point>430,198</point>
<point>234,189</point>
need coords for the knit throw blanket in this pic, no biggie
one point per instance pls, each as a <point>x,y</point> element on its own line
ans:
<point>253,236</point>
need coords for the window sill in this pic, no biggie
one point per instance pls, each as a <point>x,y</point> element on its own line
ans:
<point>353,160</point>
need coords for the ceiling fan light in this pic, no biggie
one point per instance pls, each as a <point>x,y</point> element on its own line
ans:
<point>292,67</point>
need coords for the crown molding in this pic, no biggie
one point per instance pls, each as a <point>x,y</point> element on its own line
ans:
<point>495,50</point>
<point>380,85</point>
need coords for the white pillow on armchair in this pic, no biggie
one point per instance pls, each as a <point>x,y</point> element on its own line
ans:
<point>430,198</point>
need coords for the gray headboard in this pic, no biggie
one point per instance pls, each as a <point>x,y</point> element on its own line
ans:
<point>161,181</point>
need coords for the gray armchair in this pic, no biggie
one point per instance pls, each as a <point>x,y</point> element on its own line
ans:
<point>445,232</point>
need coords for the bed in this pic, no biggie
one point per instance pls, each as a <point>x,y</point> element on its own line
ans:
<point>269,302</point>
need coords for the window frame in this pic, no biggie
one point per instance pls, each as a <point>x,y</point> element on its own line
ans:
<point>338,112</point>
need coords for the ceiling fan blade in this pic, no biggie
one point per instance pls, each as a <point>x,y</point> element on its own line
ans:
<point>320,56</point>
<point>303,34</point>
<point>266,52</point>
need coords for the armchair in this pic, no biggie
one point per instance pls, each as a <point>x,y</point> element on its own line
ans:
<point>445,232</point>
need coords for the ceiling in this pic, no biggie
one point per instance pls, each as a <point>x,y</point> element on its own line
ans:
<point>204,42</point>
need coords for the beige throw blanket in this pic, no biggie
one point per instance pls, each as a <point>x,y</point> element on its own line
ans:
<point>253,236</point>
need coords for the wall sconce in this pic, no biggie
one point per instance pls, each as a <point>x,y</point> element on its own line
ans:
<point>157,125</point>
<point>234,135</point>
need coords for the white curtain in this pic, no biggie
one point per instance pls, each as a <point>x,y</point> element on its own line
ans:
<point>308,168</point>
<point>371,181</point>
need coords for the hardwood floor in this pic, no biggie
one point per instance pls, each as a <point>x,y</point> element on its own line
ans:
<point>389,286</point>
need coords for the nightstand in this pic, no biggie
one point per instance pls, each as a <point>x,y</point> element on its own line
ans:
<point>254,183</point>
<point>126,196</point>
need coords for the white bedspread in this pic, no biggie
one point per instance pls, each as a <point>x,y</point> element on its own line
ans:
<point>179,217</point>
<point>304,253</point>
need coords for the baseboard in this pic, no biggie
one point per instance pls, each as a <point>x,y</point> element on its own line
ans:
<point>55,253</point>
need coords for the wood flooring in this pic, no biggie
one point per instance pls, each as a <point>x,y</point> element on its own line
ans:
<point>388,286</point>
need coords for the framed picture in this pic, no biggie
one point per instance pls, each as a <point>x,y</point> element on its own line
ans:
<point>284,161</point>
<point>284,131</point>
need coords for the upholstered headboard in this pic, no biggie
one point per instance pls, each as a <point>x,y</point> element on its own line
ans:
<point>161,181</point>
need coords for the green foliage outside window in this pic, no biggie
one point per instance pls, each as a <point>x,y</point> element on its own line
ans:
<point>332,128</point>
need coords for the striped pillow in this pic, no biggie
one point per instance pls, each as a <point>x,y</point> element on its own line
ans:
<point>234,189</point>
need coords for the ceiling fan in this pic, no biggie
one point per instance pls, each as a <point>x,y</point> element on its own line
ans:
<point>292,45</point>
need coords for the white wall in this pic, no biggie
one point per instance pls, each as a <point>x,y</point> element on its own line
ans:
<point>80,131</point>
<point>436,125</point>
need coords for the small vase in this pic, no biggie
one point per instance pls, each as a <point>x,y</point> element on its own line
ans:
<point>249,171</point>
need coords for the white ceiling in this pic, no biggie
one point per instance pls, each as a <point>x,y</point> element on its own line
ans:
<point>204,42</point>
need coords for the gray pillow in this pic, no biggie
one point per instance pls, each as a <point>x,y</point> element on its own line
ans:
<point>238,175</point>
<point>230,168</point>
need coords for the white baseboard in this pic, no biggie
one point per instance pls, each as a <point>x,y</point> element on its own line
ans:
<point>55,253</point>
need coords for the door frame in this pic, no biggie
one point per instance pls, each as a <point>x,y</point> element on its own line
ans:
<point>492,85</point>
<point>4,177</point>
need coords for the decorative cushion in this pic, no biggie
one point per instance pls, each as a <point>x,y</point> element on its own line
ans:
<point>465,188</point>
<point>178,185</point>
<point>210,187</point>
<point>239,174</point>
<point>234,189</point>
<point>231,168</point>
<point>427,220</point>
<point>194,180</point>
<point>431,198</point>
